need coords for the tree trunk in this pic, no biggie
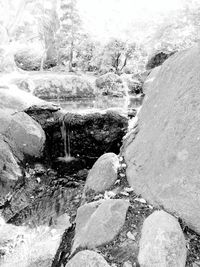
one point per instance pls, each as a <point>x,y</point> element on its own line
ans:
<point>71,55</point>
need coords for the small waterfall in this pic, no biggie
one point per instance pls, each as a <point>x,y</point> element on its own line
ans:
<point>65,132</point>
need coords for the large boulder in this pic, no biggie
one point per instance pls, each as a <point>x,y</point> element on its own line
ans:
<point>98,223</point>
<point>26,134</point>
<point>103,173</point>
<point>112,85</point>
<point>9,168</point>
<point>62,87</point>
<point>163,158</point>
<point>13,99</point>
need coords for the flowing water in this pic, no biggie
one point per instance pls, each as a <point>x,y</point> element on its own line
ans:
<point>25,246</point>
<point>66,140</point>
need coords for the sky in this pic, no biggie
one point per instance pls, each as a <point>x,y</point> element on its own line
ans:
<point>112,18</point>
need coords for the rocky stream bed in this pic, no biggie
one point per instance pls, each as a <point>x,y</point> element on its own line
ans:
<point>101,189</point>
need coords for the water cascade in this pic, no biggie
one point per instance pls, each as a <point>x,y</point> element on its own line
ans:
<point>65,132</point>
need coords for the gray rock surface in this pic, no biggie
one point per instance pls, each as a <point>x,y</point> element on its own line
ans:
<point>13,99</point>
<point>9,168</point>
<point>27,135</point>
<point>87,258</point>
<point>103,173</point>
<point>163,159</point>
<point>162,242</point>
<point>98,223</point>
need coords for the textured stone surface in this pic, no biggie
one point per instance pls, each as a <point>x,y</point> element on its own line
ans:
<point>13,99</point>
<point>162,242</point>
<point>87,258</point>
<point>98,223</point>
<point>103,173</point>
<point>163,159</point>
<point>9,168</point>
<point>26,134</point>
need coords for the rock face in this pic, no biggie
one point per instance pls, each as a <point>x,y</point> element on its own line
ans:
<point>63,87</point>
<point>89,135</point>
<point>111,84</point>
<point>162,242</point>
<point>98,223</point>
<point>103,173</point>
<point>163,159</point>
<point>27,135</point>
<point>87,258</point>
<point>13,99</point>
<point>9,168</point>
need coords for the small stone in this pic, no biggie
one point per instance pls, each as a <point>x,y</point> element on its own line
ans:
<point>109,194</point>
<point>122,174</point>
<point>123,165</point>
<point>117,182</point>
<point>141,200</point>
<point>87,258</point>
<point>131,236</point>
<point>124,193</point>
<point>128,189</point>
<point>121,159</point>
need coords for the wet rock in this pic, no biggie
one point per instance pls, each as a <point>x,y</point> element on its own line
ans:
<point>87,136</point>
<point>87,258</point>
<point>46,114</point>
<point>162,242</point>
<point>111,84</point>
<point>10,171</point>
<point>26,134</point>
<point>163,157</point>
<point>103,173</point>
<point>98,223</point>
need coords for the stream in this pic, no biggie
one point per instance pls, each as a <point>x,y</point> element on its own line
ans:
<point>52,200</point>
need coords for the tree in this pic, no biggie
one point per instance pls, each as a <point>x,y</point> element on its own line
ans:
<point>70,33</point>
<point>48,25</point>
<point>117,53</point>
<point>11,14</point>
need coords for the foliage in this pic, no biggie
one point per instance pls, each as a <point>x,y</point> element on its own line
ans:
<point>70,33</point>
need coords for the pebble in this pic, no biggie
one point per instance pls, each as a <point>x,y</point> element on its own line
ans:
<point>122,175</point>
<point>128,189</point>
<point>123,165</point>
<point>141,200</point>
<point>109,194</point>
<point>121,159</point>
<point>124,193</point>
<point>131,236</point>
